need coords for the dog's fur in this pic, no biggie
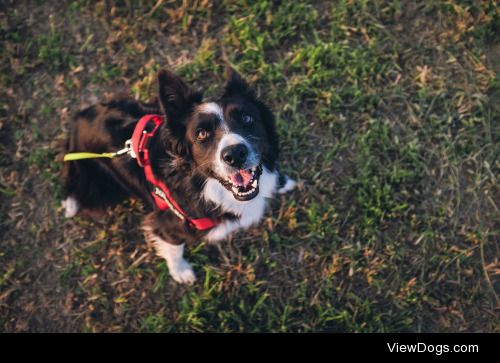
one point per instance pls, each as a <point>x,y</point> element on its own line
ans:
<point>192,153</point>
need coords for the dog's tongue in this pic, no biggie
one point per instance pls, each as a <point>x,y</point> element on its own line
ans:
<point>241,178</point>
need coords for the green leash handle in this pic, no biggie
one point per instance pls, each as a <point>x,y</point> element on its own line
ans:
<point>84,155</point>
<point>80,156</point>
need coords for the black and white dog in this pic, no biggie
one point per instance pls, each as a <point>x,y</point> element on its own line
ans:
<point>218,159</point>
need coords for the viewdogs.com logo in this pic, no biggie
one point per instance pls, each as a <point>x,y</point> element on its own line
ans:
<point>437,349</point>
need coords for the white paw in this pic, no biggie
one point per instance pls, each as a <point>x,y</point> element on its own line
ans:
<point>221,232</point>
<point>289,185</point>
<point>70,206</point>
<point>182,272</point>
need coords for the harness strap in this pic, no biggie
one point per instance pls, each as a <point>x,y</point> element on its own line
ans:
<point>144,131</point>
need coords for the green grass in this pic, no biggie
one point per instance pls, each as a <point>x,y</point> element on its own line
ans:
<point>388,116</point>
<point>51,49</point>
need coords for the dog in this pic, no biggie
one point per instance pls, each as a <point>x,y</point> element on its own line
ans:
<point>217,162</point>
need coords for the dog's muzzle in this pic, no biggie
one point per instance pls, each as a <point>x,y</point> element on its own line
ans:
<point>243,183</point>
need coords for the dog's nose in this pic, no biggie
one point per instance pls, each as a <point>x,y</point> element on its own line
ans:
<point>235,155</point>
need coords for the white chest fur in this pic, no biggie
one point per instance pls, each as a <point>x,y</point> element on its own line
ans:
<point>250,212</point>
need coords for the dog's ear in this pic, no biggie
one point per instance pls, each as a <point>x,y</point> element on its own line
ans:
<point>175,96</point>
<point>236,85</point>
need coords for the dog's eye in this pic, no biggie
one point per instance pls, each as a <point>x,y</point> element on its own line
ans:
<point>202,134</point>
<point>247,119</point>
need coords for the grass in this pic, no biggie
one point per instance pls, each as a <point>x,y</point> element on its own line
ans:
<point>388,116</point>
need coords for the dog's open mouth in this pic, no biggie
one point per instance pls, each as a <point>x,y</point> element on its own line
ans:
<point>244,183</point>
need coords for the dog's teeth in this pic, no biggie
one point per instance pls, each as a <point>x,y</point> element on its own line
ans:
<point>254,184</point>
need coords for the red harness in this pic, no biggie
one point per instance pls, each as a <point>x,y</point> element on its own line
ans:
<point>144,131</point>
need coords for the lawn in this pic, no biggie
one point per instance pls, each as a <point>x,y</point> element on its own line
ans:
<point>388,115</point>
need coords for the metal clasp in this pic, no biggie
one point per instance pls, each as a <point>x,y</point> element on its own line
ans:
<point>126,150</point>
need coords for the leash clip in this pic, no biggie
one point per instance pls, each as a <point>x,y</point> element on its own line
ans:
<point>126,150</point>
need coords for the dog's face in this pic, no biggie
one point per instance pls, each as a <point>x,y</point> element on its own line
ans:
<point>229,140</point>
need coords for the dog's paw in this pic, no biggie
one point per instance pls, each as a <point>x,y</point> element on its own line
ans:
<point>288,186</point>
<point>70,206</point>
<point>183,273</point>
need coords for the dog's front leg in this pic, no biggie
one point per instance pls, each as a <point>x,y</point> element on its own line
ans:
<point>286,184</point>
<point>161,231</point>
<point>180,270</point>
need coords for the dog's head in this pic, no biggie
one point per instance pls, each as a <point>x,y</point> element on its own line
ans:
<point>229,140</point>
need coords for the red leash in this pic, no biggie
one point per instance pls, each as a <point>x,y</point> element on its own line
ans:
<point>144,131</point>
